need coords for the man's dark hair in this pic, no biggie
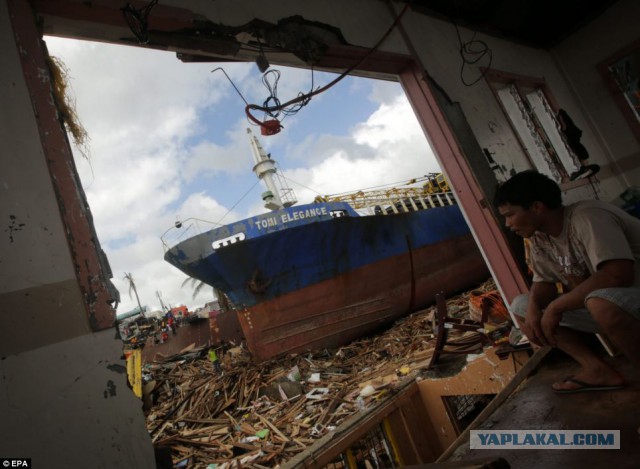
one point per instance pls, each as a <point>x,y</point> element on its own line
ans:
<point>525,188</point>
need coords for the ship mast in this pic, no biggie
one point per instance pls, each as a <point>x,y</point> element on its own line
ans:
<point>278,195</point>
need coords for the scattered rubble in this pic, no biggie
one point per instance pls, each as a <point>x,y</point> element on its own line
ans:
<point>261,415</point>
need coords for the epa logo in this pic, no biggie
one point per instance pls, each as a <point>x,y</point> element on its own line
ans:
<point>16,462</point>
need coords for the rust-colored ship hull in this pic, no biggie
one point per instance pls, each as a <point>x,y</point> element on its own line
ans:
<point>319,317</point>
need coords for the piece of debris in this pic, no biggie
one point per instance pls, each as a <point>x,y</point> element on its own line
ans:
<point>264,414</point>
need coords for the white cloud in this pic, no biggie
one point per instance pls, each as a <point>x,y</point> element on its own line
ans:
<point>207,158</point>
<point>389,147</point>
<point>391,124</point>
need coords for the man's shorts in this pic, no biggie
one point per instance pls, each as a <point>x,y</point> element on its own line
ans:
<point>628,299</point>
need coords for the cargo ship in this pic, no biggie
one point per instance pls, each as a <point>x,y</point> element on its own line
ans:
<point>307,277</point>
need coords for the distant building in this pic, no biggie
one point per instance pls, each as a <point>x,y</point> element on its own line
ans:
<point>181,310</point>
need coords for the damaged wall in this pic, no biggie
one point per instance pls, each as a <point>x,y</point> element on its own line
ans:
<point>604,123</point>
<point>55,276</point>
<point>64,398</point>
<point>491,127</point>
<point>40,300</point>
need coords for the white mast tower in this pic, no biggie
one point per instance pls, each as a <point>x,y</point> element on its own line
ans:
<point>278,195</point>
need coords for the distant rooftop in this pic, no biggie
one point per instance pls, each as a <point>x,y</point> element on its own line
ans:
<point>132,313</point>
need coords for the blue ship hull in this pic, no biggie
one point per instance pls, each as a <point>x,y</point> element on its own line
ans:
<point>292,265</point>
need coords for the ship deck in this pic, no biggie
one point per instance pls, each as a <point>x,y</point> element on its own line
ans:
<point>534,406</point>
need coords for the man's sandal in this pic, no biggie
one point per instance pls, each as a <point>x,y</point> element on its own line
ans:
<point>586,387</point>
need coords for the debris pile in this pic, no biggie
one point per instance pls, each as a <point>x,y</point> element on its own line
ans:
<point>261,415</point>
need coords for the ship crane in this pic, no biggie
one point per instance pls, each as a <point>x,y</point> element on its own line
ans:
<point>434,193</point>
<point>277,195</point>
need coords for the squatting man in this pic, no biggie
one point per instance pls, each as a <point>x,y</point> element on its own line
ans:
<point>585,259</point>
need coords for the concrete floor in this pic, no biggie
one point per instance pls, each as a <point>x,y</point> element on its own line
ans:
<point>534,406</point>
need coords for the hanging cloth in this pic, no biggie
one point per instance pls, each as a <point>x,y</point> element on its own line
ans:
<point>572,134</point>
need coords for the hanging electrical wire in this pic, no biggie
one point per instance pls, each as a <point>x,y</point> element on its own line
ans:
<point>274,110</point>
<point>472,52</point>
<point>272,126</point>
<point>273,102</point>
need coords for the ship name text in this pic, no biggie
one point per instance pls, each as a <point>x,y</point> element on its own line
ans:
<point>290,217</point>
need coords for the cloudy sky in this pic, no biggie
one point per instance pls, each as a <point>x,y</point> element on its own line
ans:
<point>168,142</point>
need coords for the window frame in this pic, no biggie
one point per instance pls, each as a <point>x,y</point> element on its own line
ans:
<point>632,117</point>
<point>496,81</point>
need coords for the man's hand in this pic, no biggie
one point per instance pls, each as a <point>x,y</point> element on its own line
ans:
<point>532,327</point>
<point>550,321</point>
<point>542,294</point>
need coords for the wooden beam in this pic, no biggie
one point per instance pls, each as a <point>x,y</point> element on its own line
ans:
<point>453,161</point>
